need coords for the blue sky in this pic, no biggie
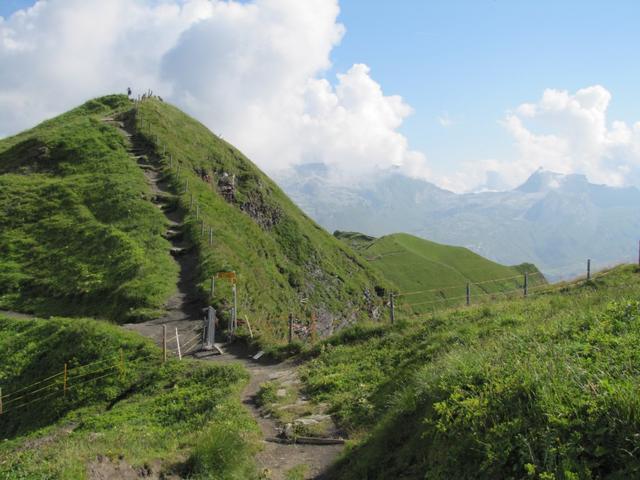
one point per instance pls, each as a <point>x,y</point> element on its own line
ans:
<point>475,59</point>
<point>471,61</point>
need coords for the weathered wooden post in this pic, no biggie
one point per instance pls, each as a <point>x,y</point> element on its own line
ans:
<point>178,343</point>
<point>392,309</point>
<point>526,284</point>
<point>290,328</point>
<point>164,343</point>
<point>235,305</point>
<point>468,294</point>
<point>210,329</point>
<point>588,270</point>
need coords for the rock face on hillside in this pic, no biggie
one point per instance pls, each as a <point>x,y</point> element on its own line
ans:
<point>552,220</point>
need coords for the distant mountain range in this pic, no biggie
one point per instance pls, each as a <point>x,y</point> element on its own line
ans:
<point>552,220</point>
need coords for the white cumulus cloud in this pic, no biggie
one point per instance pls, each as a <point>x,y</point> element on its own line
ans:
<point>254,72</point>
<point>566,133</point>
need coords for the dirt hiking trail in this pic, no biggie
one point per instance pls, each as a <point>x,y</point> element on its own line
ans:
<point>184,312</point>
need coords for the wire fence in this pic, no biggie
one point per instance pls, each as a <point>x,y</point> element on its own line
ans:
<point>69,379</point>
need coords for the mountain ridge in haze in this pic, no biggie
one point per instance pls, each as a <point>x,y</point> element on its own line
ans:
<point>553,220</point>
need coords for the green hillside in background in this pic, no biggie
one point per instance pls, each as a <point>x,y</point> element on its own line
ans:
<point>431,275</point>
<point>123,407</point>
<point>545,388</point>
<point>80,236</point>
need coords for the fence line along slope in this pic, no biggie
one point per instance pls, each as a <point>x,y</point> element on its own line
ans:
<point>430,274</point>
<point>541,387</point>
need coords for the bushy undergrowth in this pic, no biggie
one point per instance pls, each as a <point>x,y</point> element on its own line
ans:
<point>150,415</point>
<point>545,388</point>
<point>77,236</point>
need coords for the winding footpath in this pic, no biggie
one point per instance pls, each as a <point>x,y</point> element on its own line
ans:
<point>184,312</point>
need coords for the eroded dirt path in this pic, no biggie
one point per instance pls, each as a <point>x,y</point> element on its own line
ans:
<point>276,459</point>
<point>184,313</point>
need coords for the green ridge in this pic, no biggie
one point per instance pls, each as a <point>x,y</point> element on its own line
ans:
<point>415,265</point>
<point>79,235</point>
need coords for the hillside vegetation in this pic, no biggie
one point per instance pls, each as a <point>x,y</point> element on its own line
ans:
<point>545,387</point>
<point>431,275</point>
<point>80,236</point>
<point>123,407</point>
<point>284,261</point>
<point>77,236</point>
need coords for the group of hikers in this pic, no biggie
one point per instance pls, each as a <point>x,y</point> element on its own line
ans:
<point>146,95</point>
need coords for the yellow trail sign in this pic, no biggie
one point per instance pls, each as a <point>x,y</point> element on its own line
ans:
<point>231,276</point>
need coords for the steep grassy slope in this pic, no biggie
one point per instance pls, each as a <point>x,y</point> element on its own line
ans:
<point>76,233</point>
<point>431,275</point>
<point>79,236</point>
<point>284,261</point>
<point>171,417</point>
<point>544,387</point>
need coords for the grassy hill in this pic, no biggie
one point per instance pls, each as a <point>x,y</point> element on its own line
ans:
<point>543,388</point>
<point>80,236</point>
<point>431,275</point>
<point>123,408</point>
<point>76,233</point>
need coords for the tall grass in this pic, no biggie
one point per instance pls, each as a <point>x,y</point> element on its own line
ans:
<point>540,388</point>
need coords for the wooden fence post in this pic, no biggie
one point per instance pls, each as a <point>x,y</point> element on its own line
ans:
<point>290,328</point>
<point>235,307</point>
<point>526,284</point>
<point>588,270</point>
<point>468,294</point>
<point>178,342</point>
<point>164,343</point>
<point>246,319</point>
<point>392,308</point>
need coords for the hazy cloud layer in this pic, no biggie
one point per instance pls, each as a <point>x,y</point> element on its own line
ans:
<point>252,72</point>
